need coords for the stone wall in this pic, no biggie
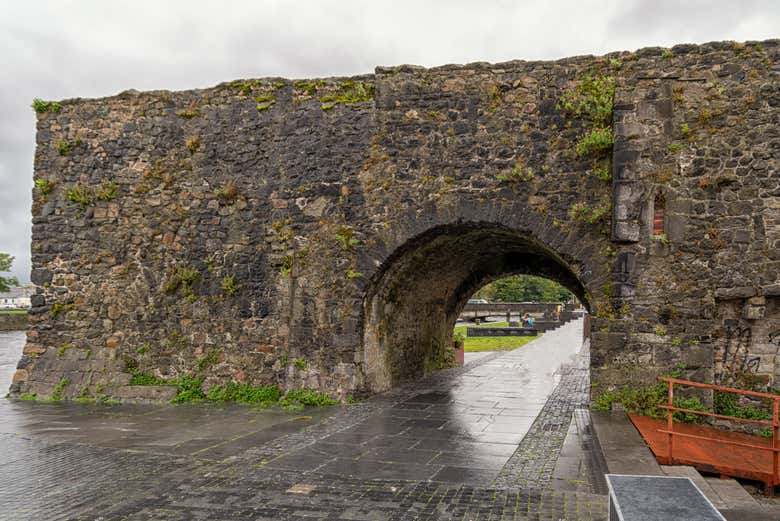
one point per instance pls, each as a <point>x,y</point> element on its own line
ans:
<point>342,223</point>
<point>13,321</point>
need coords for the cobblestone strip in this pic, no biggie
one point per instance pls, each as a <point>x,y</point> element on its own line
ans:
<point>533,462</point>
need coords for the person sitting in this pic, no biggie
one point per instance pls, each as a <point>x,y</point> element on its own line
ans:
<point>530,321</point>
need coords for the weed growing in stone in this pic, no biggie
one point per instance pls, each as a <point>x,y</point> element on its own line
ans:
<point>645,400</point>
<point>107,191</point>
<point>597,141</point>
<point>56,394</point>
<point>309,87</point>
<point>602,173</point>
<point>80,195</point>
<point>727,404</point>
<point>345,238</point>
<point>265,102</point>
<point>519,173</point>
<point>211,358</point>
<point>192,143</point>
<point>591,100</point>
<point>348,92</point>
<point>41,106</point>
<point>229,285</point>
<point>288,261</point>
<point>63,147</point>
<point>244,393</point>
<point>58,308</point>
<point>140,378</point>
<point>63,349</point>
<point>184,277</point>
<point>295,399</point>
<point>189,389</point>
<point>592,215</point>
<point>44,188</point>
<point>227,192</point>
<point>299,363</point>
<point>189,113</point>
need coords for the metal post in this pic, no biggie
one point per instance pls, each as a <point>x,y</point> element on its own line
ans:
<point>508,317</point>
<point>775,439</point>
<point>670,422</point>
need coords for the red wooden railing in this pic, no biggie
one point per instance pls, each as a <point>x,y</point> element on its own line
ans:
<point>774,424</point>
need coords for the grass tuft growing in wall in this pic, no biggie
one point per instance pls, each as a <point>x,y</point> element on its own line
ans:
<point>40,106</point>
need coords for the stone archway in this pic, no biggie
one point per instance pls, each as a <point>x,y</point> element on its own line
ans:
<point>307,210</point>
<point>415,298</point>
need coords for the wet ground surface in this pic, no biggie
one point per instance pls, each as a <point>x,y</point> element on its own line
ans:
<point>466,443</point>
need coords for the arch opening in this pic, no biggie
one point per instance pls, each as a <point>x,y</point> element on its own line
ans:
<point>414,300</point>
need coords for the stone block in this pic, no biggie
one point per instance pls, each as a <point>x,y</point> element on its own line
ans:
<point>626,232</point>
<point>772,290</point>
<point>146,393</point>
<point>695,356</point>
<point>20,375</point>
<point>735,293</point>
<point>33,349</point>
<point>751,312</point>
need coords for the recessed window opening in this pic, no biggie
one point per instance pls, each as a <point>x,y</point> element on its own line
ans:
<point>659,207</point>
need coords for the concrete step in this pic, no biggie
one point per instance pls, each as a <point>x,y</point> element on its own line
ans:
<point>732,493</point>
<point>727,495</point>
<point>682,471</point>
<point>625,452</point>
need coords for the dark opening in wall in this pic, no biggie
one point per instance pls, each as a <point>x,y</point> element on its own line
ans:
<point>659,206</point>
<point>414,301</point>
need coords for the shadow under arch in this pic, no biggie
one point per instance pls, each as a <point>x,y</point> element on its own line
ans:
<point>416,296</point>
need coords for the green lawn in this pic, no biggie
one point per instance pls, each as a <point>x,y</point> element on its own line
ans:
<point>12,311</point>
<point>493,343</point>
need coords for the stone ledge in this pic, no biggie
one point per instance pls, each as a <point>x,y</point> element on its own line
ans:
<point>146,393</point>
<point>13,321</point>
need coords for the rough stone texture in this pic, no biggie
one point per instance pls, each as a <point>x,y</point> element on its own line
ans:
<point>355,232</point>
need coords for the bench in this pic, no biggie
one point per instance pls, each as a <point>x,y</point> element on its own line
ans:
<point>500,331</point>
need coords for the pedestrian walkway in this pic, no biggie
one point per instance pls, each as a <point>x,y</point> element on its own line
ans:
<point>465,443</point>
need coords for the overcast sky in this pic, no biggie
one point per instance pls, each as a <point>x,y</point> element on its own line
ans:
<point>64,49</point>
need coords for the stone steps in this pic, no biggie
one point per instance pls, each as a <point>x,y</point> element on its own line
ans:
<point>727,495</point>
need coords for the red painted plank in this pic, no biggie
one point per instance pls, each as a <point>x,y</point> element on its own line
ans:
<point>709,455</point>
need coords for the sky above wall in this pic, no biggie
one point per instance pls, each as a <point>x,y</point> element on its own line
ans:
<point>91,48</point>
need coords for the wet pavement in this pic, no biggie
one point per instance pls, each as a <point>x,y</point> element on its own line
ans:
<point>465,443</point>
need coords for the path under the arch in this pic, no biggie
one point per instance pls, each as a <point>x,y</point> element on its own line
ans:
<point>487,437</point>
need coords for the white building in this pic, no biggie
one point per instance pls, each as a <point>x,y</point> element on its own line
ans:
<point>17,298</point>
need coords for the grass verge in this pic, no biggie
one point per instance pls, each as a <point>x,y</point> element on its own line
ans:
<point>493,343</point>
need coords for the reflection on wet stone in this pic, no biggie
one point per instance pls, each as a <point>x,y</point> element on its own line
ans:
<point>460,441</point>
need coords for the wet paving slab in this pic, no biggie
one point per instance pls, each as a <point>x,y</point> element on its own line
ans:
<point>442,448</point>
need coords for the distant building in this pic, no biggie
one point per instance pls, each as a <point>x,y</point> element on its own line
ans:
<point>17,298</point>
